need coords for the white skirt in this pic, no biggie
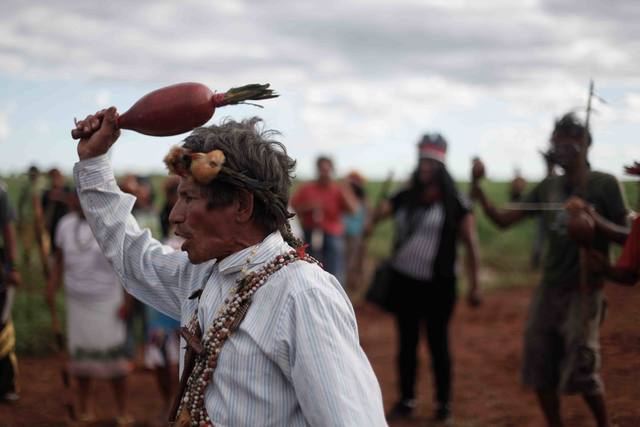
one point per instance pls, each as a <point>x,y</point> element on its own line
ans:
<point>96,335</point>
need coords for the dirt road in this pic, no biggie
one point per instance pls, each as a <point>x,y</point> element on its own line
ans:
<point>487,354</point>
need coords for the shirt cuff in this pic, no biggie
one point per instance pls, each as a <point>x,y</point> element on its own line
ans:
<point>93,172</point>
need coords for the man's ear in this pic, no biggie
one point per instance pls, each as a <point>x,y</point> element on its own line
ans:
<point>244,210</point>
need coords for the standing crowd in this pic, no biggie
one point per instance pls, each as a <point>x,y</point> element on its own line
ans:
<point>108,332</point>
<point>223,259</point>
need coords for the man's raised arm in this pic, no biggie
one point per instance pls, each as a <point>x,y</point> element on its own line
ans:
<point>153,273</point>
<point>501,218</point>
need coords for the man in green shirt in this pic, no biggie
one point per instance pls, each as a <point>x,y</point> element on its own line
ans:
<point>561,349</point>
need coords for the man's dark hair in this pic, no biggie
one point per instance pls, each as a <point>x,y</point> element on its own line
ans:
<point>569,126</point>
<point>260,165</point>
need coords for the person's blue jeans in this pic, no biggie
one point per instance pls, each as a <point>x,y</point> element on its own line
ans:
<point>331,255</point>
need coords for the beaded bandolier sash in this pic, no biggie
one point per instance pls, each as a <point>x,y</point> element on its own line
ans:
<point>202,351</point>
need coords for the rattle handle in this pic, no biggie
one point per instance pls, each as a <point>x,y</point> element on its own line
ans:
<point>81,134</point>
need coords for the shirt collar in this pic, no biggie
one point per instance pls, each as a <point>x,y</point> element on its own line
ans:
<point>264,251</point>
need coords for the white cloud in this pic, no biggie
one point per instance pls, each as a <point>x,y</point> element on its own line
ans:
<point>353,74</point>
<point>483,42</point>
<point>103,98</point>
<point>42,128</point>
<point>626,111</point>
<point>507,148</point>
<point>11,63</point>
<point>632,107</point>
<point>612,157</point>
<point>354,112</point>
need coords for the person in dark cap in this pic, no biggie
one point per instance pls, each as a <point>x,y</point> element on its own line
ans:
<point>431,216</point>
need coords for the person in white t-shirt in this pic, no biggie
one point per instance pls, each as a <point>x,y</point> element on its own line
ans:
<point>94,303</point>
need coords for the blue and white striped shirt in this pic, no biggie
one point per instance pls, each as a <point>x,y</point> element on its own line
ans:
<point>294,361</point>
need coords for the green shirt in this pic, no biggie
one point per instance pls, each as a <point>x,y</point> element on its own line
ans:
<point>561,266</point>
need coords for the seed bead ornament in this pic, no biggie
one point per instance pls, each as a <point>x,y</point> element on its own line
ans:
<point>191,408</point>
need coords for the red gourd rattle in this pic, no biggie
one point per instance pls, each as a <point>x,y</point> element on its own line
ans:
<point>180,108</point>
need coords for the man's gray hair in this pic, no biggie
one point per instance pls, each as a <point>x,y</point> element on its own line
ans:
<point>260,165</point>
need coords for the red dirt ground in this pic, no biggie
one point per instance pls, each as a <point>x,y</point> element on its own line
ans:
<point>487,354</point>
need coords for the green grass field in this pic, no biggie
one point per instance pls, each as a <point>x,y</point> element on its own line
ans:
<point>505,261</point>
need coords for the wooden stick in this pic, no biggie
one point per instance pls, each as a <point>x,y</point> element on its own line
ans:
<point>534,207</point>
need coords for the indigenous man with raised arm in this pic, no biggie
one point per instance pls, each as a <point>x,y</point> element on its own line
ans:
<point>561,348</point>
<point>272,337</point>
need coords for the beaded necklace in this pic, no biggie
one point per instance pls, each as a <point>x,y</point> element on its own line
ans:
<point>191,408</point>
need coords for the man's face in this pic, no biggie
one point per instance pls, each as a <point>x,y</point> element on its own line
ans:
<point>567,151</point>
<point>208,233</point>
<point>57,179</point>
<point>325,170</point>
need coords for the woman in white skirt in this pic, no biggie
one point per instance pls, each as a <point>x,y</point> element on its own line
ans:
<point>94,302</point>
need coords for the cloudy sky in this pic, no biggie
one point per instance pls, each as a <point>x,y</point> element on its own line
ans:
<point>359,80</point>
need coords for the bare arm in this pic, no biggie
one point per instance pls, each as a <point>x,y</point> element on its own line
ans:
<point>610,230</point>
<point>155,274</point>
<point>501,218</point>
<point>54,282</point>
<point>469,236</point>
<point>350,199</point>
<point>53,285</point>
<point>383,211</point>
